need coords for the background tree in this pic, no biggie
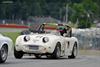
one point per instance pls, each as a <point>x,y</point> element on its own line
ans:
<point>22,9</point>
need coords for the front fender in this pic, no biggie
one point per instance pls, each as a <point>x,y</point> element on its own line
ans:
<point>53,44</point>
<point>19,39</point>
<point>8,42</point>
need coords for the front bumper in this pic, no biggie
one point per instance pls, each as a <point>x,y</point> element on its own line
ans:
<point>36,49</point>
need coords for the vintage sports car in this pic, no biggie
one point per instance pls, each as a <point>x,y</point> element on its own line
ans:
<point>5,47</point>
<point>52,40</point>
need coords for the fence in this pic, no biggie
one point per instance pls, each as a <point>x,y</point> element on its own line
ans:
<point>88,38</point>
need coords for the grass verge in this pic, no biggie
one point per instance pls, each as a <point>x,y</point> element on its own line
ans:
<point>12,35</point>
<point>90,52</point>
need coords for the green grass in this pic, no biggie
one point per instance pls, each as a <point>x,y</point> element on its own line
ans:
<point>93,25</point>
<point>90,52</point>
<point>12,35</point>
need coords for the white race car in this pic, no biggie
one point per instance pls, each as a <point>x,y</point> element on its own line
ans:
<point>5,47</point>
<point>52,40</point>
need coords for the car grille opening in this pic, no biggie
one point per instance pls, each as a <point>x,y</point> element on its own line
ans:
<point>33,47</point>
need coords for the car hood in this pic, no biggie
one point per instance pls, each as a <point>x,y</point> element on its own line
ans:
<point>37,36</point>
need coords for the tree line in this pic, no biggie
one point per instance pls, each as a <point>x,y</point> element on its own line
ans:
<point>78,10</point>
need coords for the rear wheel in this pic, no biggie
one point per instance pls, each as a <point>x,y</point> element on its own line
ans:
<point>18,54</point>
<point>57,52</point>
<point>3,53</point>
<point>74,52</point>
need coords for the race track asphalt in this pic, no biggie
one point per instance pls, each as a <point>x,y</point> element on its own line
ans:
<point>31,61</point>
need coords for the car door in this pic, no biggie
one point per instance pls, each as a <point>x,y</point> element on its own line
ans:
<point>68,45</point>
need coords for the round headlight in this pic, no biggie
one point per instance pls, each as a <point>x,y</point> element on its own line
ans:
<point>45,39</point>
<point>26,38</point>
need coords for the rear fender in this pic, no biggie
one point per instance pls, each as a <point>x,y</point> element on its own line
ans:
<point>73,41</point>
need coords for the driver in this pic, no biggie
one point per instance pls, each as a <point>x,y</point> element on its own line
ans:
<point>65,31</point>
<point>62,30</point>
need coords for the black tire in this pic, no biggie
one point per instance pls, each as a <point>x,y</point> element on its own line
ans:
<point>18,54</point>
<point>37,56</point>
<point>3,53</point>
<point>57,52</point>
<point>74,52</point>
<point>48,56</point>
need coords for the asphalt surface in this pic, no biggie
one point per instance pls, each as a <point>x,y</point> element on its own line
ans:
<point>31,61</point>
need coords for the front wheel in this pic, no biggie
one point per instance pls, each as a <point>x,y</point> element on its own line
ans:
<point>74,52</point>
<point>18,54</point>
<point>57,52</point>
<point>3,53</point>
